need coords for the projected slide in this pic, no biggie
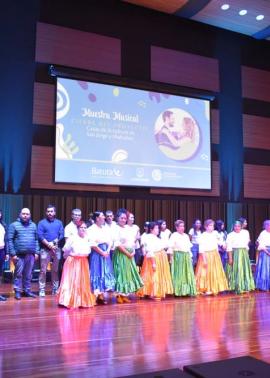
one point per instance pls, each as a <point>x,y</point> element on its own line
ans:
<point>114,135</point>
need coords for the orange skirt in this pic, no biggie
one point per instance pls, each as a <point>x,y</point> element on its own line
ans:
<point>157,283</point>
<point>74,290</point>
<point>210,278</point>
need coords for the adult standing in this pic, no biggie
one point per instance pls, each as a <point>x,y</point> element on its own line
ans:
<point>50,234</point>
<point>71,228</point>
<point>23,248</point>
<point>3,248</point>
<point>239,270</point>
<point>101,268</point>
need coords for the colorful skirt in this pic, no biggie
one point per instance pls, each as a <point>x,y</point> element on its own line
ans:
<point>239,274</point>
<point>101,271</point>
<point>262,275</point>
<point>126,274</point>
<point>157,283</point>
<point>183,275</point>
<point>74,290</point>
<point>210,278</point>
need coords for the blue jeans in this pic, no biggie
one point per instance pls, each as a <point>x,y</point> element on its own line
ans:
<point>23,272</point>
<point>45,257</point>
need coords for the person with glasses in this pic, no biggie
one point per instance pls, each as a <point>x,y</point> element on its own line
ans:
<point>75,290</point>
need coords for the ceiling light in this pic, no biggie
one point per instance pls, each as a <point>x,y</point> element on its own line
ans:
<point>243,12</point>
<point>225,6</point>
<point>260,17</point>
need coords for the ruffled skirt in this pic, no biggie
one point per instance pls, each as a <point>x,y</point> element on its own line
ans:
<point>183,275</point>
<point>210,278</point>
<point>157,283</point>
<point>126,274</point>
<point>239,274</point>
<point>101,268</point>
<point>262,275</point>
<point>74,290</point>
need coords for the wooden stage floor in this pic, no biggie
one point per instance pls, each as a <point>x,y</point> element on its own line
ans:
<point>39,339</point>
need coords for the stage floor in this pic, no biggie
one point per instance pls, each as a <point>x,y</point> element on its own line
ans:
<point>39,339</point>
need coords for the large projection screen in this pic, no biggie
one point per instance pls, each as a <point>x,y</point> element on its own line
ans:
<point>117,135</point>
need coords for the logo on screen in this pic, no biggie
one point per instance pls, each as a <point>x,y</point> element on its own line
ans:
<point>157,174</point>
<point>177,134</point>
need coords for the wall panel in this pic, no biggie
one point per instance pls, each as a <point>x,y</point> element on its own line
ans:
<point>256,131</point>
<point>256,83</point>
<point>74,48</point>
<point>180,68</point>
<point>256,181</point>
<point>44,104</point>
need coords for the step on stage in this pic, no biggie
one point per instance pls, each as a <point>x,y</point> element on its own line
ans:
<point>39,339</point>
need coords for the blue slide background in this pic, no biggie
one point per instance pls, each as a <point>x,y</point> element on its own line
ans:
<point>93,147</point>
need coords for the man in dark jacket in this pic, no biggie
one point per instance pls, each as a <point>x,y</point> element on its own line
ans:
<point>23,248</point>
<point>3,248</point>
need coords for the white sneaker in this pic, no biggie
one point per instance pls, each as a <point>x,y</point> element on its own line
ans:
<point>42,293</point>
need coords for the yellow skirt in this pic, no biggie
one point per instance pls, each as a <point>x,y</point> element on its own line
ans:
<point>74,290</point>
<point>157,283</point>
<point>210,278</point>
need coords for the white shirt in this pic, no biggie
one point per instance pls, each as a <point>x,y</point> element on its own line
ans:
<point>263,240</point>
<point>2,236</point>
<point>98,235</point>
<point>165,236</point>
<point>237,240</point>
<point>112,228</point>
<point>195,236</point>
<point>153,244</point>
<point>136,232</point>
<point>71,229</point>
<point>77,246</point>
<point>208,242</point>
<point>221,238</point>
<point>179,242</point>
<point>125,237</point>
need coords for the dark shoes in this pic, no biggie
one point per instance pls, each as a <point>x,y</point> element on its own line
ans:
<point>18,295</point>
<point>30,294</point>
<point>101,300</point>
<point>2,299</point>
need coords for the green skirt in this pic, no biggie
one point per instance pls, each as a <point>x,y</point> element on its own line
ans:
<point>183,275</point>
<point>239,275</point>
<point>126,274</point>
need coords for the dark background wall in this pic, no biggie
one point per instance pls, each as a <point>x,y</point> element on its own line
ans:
<point>133,41</point>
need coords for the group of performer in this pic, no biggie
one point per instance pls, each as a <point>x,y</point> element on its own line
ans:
<point>104,258</point>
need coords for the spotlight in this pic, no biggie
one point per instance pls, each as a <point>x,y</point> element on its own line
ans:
<point>260,17</point>
<point>242,12</point>
<point>225,6</point>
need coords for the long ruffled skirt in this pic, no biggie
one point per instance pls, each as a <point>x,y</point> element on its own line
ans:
<point>262,275</point>
<point>183,275</point>
<point>157,283</point>
<point>210,278</point>
<point>101,268</point>
<point>126,274</point>
<point>239,274</point>
<point>74,290</point>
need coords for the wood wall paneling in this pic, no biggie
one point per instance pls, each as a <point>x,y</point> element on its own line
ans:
<point>44,104</point>
<point>256,131</point>
<point>42,163</point>
<point>74,48</point>
<point>256,181</point>
<point>185,69</point>
<point>215,192</point>
<point>255,83</point>
<point>215,126</point>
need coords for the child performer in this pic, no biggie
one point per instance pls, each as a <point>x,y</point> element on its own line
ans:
<point>238,269</point>
<point>74,290</point>
<point>155,271</point>
<point>262,276</point>
<point>126,275</point>
<point>221,237</point>
<point>210,276</point>
<point>182,270</point>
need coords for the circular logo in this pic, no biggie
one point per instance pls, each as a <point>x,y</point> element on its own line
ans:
<point>156,174</point>
<point>177,134</point>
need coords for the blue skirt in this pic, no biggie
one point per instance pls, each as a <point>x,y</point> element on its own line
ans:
<point>262,275</point>
<point>101,271</point>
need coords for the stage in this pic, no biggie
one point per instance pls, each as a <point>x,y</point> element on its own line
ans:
<point>39,339</point>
